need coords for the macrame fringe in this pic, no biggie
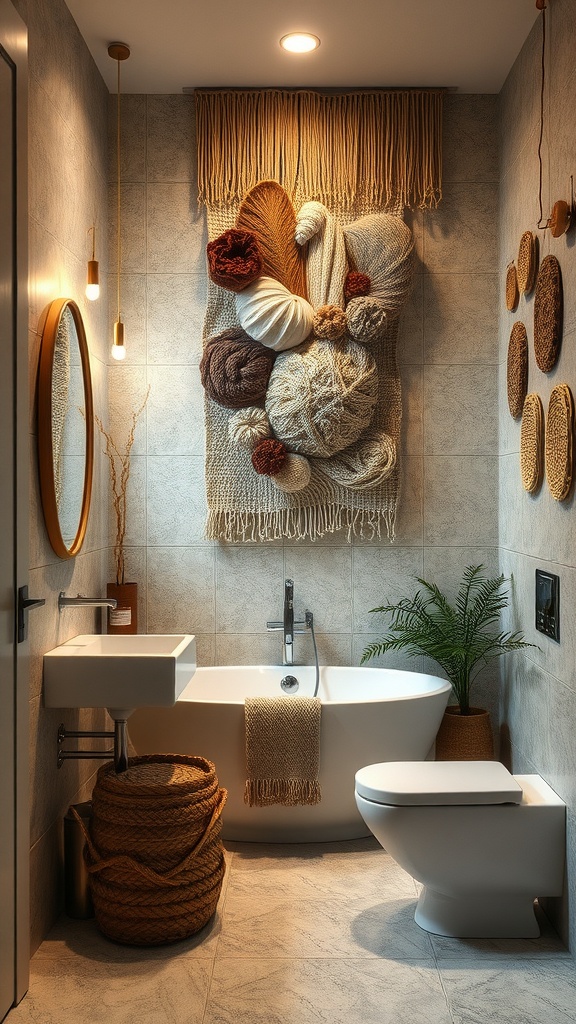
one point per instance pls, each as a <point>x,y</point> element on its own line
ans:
<point>381,149</point>
<point>290,792</point>
<point>301,523</point>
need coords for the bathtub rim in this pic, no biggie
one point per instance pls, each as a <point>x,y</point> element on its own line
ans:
<point>444,685</point>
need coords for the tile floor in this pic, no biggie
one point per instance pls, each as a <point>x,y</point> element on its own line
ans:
<point>307,934</point>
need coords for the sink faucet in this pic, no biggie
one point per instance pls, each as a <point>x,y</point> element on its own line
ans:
<point>288,625</point>
<point>82,602</point>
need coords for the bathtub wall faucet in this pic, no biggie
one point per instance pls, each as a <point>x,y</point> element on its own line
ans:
<point>288,626</point>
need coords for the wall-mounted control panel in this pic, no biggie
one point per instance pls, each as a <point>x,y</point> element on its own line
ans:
<point>548,604</point>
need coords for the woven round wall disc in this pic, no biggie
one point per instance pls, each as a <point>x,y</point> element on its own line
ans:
<point>548,308</point>
<point>526,268</point>
<point>517,377</point>
<point>559,442</point>
<point>531,443</point>
<point>512,295</point>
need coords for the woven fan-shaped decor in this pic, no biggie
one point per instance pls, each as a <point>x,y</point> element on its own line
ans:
<point>526,263</point>
<point>531,443</point>
<point>559,442</point>
<point>548,308</point>
<point>512,294</point>
<point>268,213</point>
<point>517,376</point>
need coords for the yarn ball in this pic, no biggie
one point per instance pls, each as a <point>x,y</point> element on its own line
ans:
<point>322,397</point>
<point>366,317</point>
<point>356,284</point>
<point>273,315</point>
<point>269,457</point>
<point>366,463</point>
<point>381,246</point>
<point>329,323</point>
<point>234,259</point>
<point>294,475</point>
<point>249,426</point>
<point>235,369</point>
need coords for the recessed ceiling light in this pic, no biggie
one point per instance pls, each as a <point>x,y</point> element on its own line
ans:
<point>300,42</point>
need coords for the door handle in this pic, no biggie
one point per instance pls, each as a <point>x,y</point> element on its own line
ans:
<point>25,603</point>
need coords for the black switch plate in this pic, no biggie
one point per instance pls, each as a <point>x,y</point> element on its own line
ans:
<point>548,604</point>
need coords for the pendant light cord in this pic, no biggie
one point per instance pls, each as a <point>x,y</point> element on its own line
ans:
<point>542,85</point>
<point>118,249</point>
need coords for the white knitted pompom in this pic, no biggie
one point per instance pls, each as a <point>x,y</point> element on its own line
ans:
<point>310,219</point>
<point>294,475</point>
<point>272,315</point>
<point>249,426</point>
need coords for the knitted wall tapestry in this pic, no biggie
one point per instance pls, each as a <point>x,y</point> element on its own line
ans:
<point>303,400</point>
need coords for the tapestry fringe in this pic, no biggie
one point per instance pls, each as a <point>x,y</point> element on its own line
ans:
<point>376,148</point>
<point>290,792</point>
<point>300,523</point>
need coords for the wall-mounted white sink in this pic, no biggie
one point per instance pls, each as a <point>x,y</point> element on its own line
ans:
<point>119,673</point>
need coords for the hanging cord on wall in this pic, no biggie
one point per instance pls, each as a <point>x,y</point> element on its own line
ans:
<point>541,5</point>
<point>118,248</point>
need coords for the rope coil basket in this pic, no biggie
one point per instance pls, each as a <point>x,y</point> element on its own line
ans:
<point>548,314</point>
<point>559,442</point>
<point>512,294</point>
<point>517,369</point>
<point>526,269</point>
<point>531,443</point>
<point>154,853</point>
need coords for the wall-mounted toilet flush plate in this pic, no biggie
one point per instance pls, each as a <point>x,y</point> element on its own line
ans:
<point>548,604</point>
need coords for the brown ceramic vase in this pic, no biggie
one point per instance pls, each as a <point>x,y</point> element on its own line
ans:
<point>124,618</point>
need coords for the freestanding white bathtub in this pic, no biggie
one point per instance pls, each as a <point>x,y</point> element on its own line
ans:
<point>368,715</point>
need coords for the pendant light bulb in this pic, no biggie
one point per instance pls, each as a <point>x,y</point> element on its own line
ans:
<point>118,347</point>
<point>93,275</point>
<point>118,52</point>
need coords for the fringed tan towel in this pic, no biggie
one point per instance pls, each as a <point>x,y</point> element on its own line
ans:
<point>282,750</point>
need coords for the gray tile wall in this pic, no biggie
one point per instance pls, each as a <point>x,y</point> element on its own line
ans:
<point>448,352</point>
<point>67,193</point>
<point>538,713</point>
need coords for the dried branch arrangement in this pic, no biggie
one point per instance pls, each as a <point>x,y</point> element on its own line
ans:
<point>119,475</point>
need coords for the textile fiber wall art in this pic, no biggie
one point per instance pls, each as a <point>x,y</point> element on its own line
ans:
<point>310,264</point>
<point>303,402</point>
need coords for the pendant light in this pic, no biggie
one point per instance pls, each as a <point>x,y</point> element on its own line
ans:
<point>118,52</point>
<point>93,277</point>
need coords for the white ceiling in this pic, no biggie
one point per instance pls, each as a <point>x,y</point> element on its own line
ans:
<point>468,45</point>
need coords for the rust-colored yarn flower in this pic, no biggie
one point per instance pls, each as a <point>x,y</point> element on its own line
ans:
<point>356,284</point>
<point>269,456</point>
<point>234,259</point>
<point>235,369</point>
<point>329,323</point>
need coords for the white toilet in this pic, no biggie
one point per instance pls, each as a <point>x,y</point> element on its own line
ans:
<point>483,842</point>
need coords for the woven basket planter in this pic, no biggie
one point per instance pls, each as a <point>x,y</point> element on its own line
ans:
<point>465,737</point>
<point>154,853</point>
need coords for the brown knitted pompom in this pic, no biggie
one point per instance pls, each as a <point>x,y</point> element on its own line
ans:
<point>234,259</point>
<point>356,284</point>
<point>269,456</point>
<point>329,323</point>
<point>235,369</point>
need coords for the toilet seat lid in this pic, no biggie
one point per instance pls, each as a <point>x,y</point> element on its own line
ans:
<point>403,783</point>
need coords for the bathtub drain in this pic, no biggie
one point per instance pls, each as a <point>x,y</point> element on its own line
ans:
<point>289,684</point>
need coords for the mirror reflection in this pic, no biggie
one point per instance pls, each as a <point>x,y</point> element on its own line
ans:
<point>65,427</point>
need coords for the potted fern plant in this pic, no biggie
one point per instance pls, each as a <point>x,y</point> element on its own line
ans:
<point>462,638</point>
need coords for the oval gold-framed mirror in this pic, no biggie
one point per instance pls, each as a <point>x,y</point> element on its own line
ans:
<point>65,427</point>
